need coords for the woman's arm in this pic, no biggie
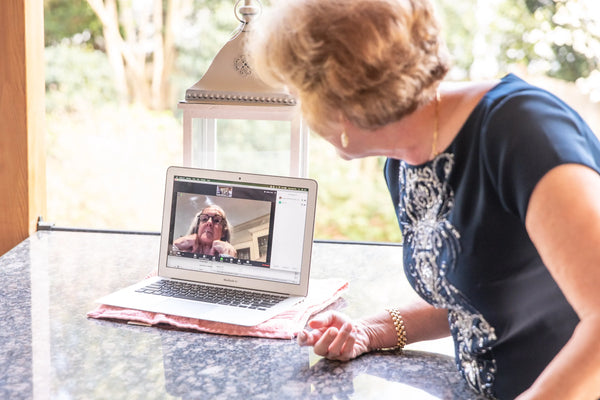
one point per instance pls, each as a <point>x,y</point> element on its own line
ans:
<point>185,243</point>
<point>337,337</point>
<point>223,248</point>
<point>563,221</point>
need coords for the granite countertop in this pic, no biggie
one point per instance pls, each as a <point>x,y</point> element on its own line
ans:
<point>50,349</point>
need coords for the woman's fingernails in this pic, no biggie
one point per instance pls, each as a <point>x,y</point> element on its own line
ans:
<point>301,337</point>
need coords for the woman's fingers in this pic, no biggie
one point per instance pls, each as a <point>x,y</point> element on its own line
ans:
<point>334,343</point>
<point>306,338</point>
<point>342,345</point>
<point>321,347</point>
<point>332,336</point>
<point>327,320</point>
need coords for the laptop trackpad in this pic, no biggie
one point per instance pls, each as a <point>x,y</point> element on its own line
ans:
<point>188,308</point>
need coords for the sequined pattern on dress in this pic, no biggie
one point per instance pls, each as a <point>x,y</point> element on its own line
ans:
<point>431,246</point>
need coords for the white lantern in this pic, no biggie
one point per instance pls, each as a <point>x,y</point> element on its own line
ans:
<point>230,92</point>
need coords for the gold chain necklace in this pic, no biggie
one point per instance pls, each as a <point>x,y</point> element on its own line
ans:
<point>434,152</point>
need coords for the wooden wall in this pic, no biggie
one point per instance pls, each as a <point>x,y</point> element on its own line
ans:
<point>22,121</point>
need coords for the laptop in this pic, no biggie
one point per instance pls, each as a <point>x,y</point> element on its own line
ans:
<point>255,270</point>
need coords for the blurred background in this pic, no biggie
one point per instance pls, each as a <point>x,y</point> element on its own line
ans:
<point>116,70</point>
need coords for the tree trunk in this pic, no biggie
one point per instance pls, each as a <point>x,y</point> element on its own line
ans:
<point>158,65</point>
<point>129,56</point>
<point>107,13</point>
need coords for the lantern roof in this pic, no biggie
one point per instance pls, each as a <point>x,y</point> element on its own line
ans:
<point>230,78</point>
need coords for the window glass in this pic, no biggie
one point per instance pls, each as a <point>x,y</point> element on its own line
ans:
<point>110,139</point>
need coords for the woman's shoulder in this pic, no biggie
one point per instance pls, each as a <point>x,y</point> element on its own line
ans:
<point>507,100</point>
<point>516,112</point>
<point>513,98</point>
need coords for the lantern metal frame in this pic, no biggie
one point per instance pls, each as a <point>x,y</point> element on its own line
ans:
<point>231,90</point>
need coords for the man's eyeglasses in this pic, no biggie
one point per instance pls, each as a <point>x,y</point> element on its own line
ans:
<point>217,219</point>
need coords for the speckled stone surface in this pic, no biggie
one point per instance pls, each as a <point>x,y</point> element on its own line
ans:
<point>50,349</point>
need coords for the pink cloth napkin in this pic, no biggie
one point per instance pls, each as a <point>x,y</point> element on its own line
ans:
<point>321,293</point>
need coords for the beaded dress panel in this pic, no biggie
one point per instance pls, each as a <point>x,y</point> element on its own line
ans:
<point>431,247</point>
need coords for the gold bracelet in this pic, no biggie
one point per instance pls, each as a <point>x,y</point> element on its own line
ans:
<point>400,329</point>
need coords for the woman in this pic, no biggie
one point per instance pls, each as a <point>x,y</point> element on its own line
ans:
<point>209,234</point>
<point>496,187</point>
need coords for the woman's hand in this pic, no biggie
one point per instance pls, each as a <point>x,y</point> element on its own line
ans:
<point>220,248</point>
<point>185,243</point>
<point>336,337</point>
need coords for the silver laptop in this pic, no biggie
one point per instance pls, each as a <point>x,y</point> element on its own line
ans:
<point>234,247</point>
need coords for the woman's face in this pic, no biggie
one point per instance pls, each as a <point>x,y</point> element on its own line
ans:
<point>210,230</point>
<point>356,147</point>
<point>331,132</point>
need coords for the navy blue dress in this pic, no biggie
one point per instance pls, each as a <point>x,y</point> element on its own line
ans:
<point>466,248</point>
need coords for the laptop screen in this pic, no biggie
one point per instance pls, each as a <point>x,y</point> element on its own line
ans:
<point>237,229</point>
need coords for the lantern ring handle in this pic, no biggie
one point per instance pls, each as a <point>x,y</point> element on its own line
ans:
<point>247,8</point>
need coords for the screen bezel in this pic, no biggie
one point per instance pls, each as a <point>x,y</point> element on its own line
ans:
<point>299,289</point>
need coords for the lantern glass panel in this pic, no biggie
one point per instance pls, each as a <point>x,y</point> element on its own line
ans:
<point>255,146</point>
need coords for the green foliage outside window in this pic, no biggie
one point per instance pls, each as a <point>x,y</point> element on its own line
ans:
<point>95,134</point>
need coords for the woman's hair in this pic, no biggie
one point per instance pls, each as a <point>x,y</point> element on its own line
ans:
<point>369,61</point>
<point>225,236</point>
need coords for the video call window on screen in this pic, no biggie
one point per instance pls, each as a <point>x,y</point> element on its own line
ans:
<point>248,211</point>
<point>244,253</point>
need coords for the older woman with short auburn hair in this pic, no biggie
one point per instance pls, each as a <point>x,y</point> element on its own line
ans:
<point>371,65</point>
<point>495,185</point>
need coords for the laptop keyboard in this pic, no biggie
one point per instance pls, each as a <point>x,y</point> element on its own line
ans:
<point>213,294</point>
